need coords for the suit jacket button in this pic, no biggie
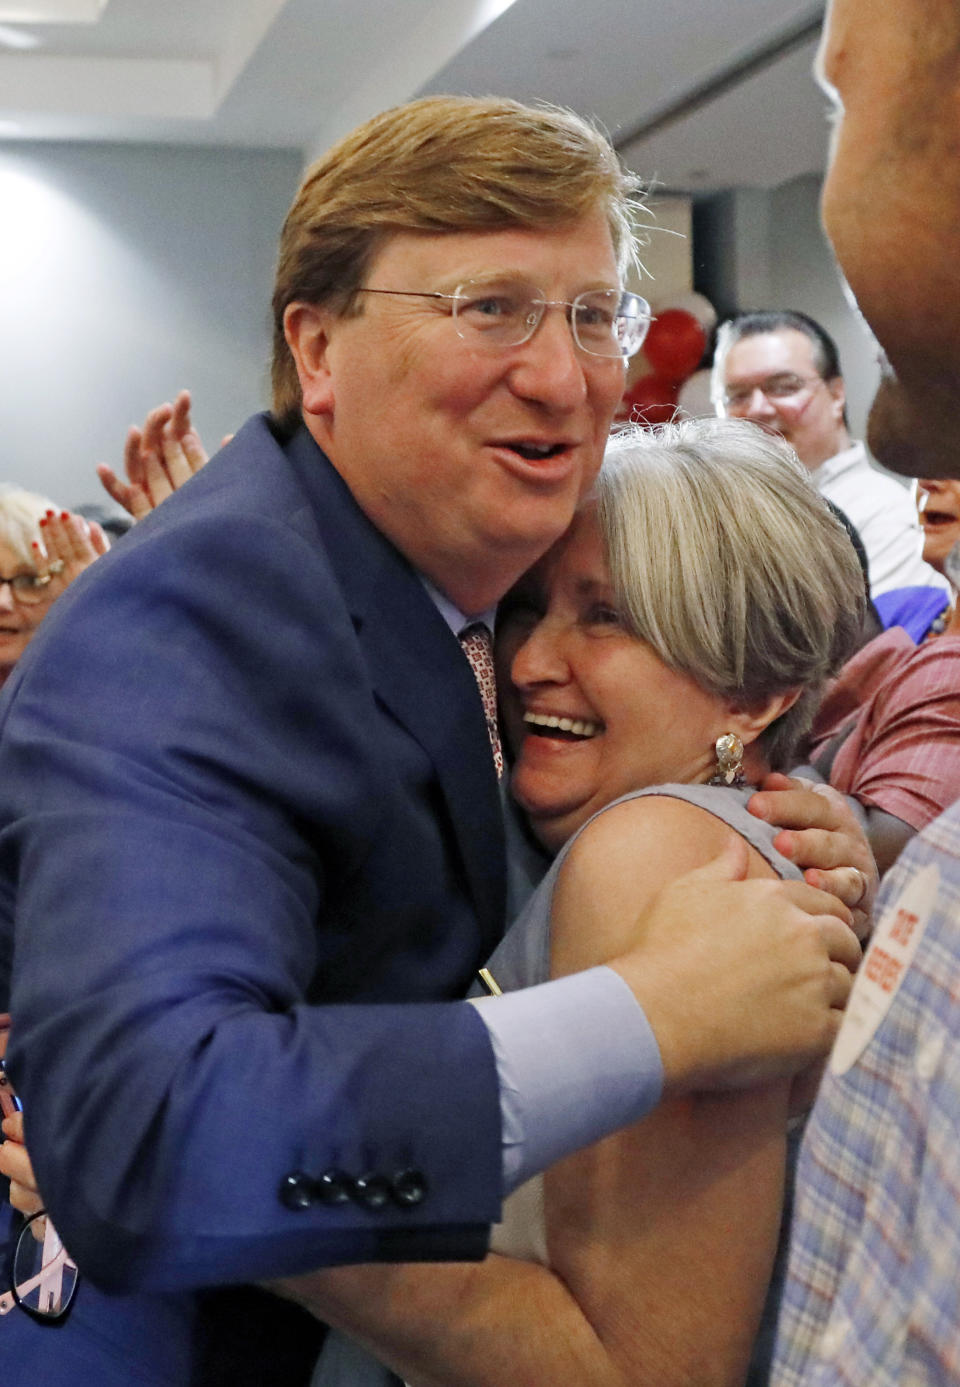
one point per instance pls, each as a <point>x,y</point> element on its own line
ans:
<point>333,1186</point>
<point>371,1190</point>
<point>409,1188</point>
<point>296,1191</point>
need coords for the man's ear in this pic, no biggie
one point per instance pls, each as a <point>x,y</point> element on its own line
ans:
<point>838,390</point>
<point>749,720</point>
<point>306,328</point>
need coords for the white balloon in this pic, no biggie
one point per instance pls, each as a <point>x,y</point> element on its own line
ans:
<point>697,304</point>
<point>694,400</point>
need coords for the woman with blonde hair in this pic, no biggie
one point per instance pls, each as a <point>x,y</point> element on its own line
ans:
<point>42,550</point>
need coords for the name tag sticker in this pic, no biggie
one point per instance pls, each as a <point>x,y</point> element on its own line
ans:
<point>884,967</point>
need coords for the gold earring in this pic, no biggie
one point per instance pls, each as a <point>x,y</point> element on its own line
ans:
<point>729,749</point>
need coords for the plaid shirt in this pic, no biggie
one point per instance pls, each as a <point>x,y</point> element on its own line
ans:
<point>873,1290</point>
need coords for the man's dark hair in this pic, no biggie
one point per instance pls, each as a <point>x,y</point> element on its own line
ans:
<point>826,357</point>
<point>825,354</point>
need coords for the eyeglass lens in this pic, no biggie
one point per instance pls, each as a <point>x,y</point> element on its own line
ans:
<point>774,388</point>
<point>26,587</point>
<point>44,1276</point>
<point>604,322</point>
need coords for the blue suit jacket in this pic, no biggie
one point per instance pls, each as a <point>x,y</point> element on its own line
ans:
<point>243,772</point>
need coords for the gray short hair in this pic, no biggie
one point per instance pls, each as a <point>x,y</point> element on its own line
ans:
<point>727,561</point>
<point>20,514</point>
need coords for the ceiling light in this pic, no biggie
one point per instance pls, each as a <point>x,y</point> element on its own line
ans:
<point>17,38</point>
<point>51,11</point>
<point>489,10</point>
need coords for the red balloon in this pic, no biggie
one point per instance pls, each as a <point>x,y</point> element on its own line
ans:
<point>650,400</point>
<point>675,344</point>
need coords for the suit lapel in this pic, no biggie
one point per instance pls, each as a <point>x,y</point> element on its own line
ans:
<point>425,680</point>
<point>420,674</point>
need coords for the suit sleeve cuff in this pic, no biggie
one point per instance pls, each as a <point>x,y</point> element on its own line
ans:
<point>576,1060</point>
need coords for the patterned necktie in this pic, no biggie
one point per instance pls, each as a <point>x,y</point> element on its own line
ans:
<point>477,644</point>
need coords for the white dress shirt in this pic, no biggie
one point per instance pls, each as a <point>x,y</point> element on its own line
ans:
<point>884,513</point>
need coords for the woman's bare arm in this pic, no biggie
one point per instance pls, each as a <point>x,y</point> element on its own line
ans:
<point>665,1233</point>
<point>480,1325</point>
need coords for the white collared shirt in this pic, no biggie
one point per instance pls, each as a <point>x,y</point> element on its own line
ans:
<point>885,516</point>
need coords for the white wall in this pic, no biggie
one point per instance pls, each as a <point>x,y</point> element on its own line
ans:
<point>126,273</point>
<point>804,275</point>
<point>766,249</point>
<point>666,251</point>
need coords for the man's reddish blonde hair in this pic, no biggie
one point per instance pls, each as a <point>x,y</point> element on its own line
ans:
<point>443,163</point>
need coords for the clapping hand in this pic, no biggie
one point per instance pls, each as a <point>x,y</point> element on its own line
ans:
<point>68,544</point>
<point>157,459</point>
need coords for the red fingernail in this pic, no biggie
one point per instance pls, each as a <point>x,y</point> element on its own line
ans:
<point>44,519</point>
<point>64,515</point>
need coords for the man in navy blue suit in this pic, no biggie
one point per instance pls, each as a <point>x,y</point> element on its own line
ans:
<point>252,848</point>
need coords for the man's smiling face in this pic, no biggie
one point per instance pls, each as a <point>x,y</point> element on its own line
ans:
<point>809,417</point>
<point>472,461</point>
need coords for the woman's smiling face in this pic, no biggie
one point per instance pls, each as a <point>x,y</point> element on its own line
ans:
<point>590,711</point>
<point>17,622</point>
<point>938,503</point>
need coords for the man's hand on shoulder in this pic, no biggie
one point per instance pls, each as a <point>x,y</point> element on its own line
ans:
<point>743,982</point>
<point>823,838</point>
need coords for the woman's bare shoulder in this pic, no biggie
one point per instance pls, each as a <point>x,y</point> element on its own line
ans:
<point>656,838</point>
<point>619,863</point>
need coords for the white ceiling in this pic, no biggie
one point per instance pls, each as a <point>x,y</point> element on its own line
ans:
<point>298,73</point>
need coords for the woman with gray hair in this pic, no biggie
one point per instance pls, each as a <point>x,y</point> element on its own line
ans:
<point>663,657</point>
<point>42,550</point>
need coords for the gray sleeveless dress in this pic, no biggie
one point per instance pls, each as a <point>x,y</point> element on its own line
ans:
<point>522,959</point>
